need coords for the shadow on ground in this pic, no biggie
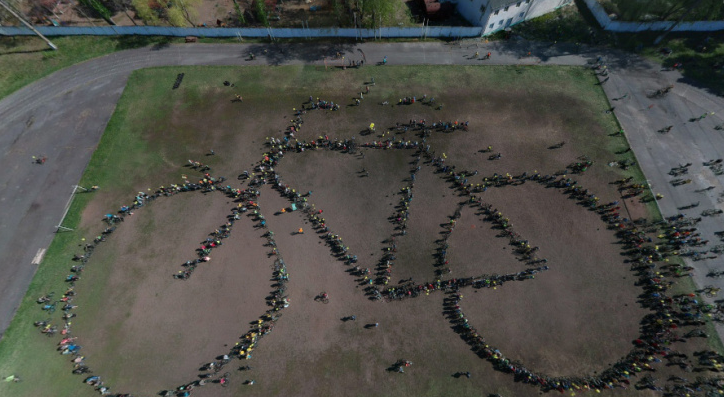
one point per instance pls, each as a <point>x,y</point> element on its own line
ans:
<point>277,54</point>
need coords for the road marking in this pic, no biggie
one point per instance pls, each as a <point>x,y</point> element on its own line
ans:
<point>38,257</point>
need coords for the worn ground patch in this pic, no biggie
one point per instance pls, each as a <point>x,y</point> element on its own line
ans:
<point>144,331</point>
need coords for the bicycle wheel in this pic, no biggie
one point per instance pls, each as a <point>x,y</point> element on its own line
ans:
<point>325,300</point>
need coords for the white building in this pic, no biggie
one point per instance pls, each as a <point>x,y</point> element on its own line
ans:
<point>495,15</point>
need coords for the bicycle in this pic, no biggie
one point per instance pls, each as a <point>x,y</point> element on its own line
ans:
<point>711,212</point>
<point>322,297</point>
<point>50,308</point>
<point>49,330</point>
<point>710,291</point>
<point>46,298</point>
<point>224,380</point>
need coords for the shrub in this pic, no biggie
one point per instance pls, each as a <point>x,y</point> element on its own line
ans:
<point>260,11</point>
<point>99,8</point>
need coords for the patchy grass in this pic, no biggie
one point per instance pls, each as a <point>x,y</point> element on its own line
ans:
<point>701,56</point>
<point>573,24</point>
<point>23,347</point>
<point>24,59</point>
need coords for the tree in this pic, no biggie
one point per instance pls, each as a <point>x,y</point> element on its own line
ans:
<point>376,13</point>
<point>145,12</point>
<point>692,6</point>
<point>38,10</point>
<point>187,10</point>
<point>175,12</point>
<point>260,12</point>
<point>668,10</point>
<point>708,10</point>
<point>99,9</point>
<point>673,8</point>
<point>239,13</point>
<point>116,6</point>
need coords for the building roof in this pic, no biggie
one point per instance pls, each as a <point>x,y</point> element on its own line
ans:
<point>498,4</point>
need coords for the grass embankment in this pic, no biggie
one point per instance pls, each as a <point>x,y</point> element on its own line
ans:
<point>700,53</point>
<point>664,10</point>
<point>24,59</point>
<point>121,157</point>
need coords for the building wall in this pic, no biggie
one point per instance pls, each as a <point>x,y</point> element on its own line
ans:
<point>520,11</point>
<point>472,10</point>
<point>540,7</point>
<point>502,18</point>
<point>478,13</point>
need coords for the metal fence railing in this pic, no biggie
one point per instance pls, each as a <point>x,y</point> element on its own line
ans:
<point>391,32</point>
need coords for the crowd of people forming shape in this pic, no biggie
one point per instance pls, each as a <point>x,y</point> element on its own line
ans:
<point>647,256</point>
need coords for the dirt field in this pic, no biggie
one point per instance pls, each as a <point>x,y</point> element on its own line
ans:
<point>144,331</point>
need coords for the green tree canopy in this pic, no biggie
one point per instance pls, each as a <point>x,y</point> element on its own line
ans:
<point>693,10</point>
<point>376,13</point>
<point>175,12</point>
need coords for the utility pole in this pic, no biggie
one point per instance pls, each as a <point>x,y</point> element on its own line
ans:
<point>26,23</point>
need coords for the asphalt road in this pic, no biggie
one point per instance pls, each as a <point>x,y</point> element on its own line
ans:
<point>64,115</point>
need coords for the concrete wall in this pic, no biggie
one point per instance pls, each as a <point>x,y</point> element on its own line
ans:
<point>502,18</point>
<point>598,12</point>
<point>471,10</point>
<point>519,12</point>
<point>541,7</point>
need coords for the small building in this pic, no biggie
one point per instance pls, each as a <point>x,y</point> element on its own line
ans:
<point>435,9</point>
<point>495,15</point>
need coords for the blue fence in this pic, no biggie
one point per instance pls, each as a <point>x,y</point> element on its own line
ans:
<point>428,31</point>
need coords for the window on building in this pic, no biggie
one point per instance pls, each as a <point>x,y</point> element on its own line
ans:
<point>506,9</point>
<point>527,1</point>
<point>492,25</point>
<point>496,12</point>
<point>500,23</point>
<point>521,15</point>
<point>518,5</point>
<point>508,22</point>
